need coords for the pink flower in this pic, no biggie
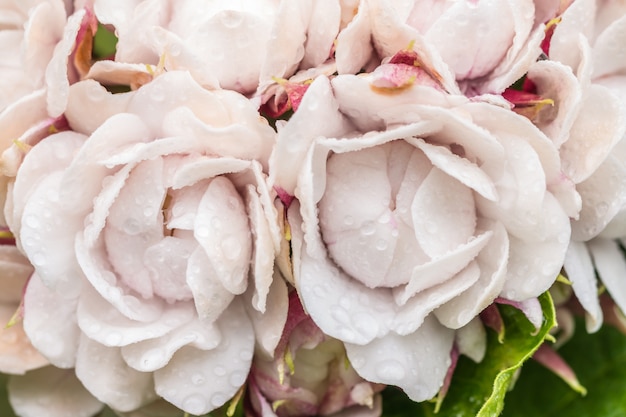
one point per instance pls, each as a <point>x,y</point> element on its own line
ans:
<point>151,229</point>
<point>415,209</point>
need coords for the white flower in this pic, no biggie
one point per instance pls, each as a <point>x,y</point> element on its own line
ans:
<point>233,45</point>
<point>151,230</point>
<point>412,202</point>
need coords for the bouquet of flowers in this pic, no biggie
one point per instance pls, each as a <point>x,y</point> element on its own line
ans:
<point>273,208</point>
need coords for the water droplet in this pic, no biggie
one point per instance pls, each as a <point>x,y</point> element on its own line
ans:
<point>131,226</point>
<point>219,371</point>
<point>218,399</point>
<point>148,212</point>
<point>195,404</point>
<point>381,244</point>
<point>390,371</point>
<point>32,221</point>
<point>231,19</point>
<point>38,259</point>
<point>237,379</point>
<point>113,339</point>
<point>348,220</point>
<point>198,379</point>
<point>340,314</point>
<point>245,355</point>
<point>368,229</point>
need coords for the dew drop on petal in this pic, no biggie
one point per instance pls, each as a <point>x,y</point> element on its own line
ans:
<point>219,371</point>
<point>390,370</point>
<point>195,404</point>
<point>198,379</point>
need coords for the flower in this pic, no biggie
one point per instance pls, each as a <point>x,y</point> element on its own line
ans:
<point>483,46</point>
<point>236,46</point>
<point>308,375</point>
<point>415,209</point>
<point>587,123</point>
<point>151,229</point>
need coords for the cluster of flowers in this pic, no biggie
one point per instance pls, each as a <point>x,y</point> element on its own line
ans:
<point>296,202</point>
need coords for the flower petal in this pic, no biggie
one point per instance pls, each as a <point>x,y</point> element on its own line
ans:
<point>104,373</point>
<point>417,362</point>
<point>581,273</point>
<point>54,333</point>
<point>198,381</point>
<point>611,267</point>
<point>51,392</point>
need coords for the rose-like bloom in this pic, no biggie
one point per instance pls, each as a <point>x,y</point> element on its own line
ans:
<point>234,45</point>
<point>415,210</point>
<point>151,231</point>
<point>308,375</point>
<point>584,78</point>
<point>482,46</point>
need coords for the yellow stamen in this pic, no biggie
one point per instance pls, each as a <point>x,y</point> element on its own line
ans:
<point>277,404</point>
<point>230,411</point>
<point>289,361</point>
<point>22,146</point>
<point>553,22</point>
<point>562,279</point>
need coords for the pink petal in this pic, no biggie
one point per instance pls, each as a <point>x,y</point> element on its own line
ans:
<point>471,340</point>
<point>581,273</point>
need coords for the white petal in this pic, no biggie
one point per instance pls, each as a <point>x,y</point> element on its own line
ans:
<point>153,354</point>
<point>17,355</point>
<point>198,381</point>
<point>56,72</point>
<point>222,230</point>
<point>54,333</point>
<point>534,263</point>
<point>104,373</point>
<point>600,124</point>
<point>442,268</point>
<point>51,392</point>
<point>611,267</point>
<point>90,104</point>
<point>444,215</point>
<point>269,324</point>
<point>459,168</point>
<point>411,315</point>
<point>103,323</point>
<point>341,306</point>
<point>603,196</point>
<point>209,295</point>
<point>581,273</point>
<point>471,340</point>
<point>492,261</point>
<point>100,275</point>
<point>295,137</point>
<point>417,362</point>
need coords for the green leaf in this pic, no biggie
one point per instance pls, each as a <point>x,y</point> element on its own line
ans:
<point>599,361</point>
<point>104,43</point>
<point>479,389</point>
